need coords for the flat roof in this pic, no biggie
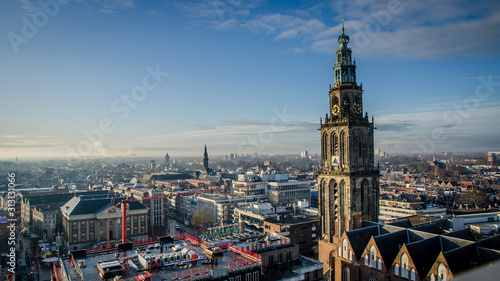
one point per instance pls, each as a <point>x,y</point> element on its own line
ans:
<point>289,221</point>
<point>130,261</point>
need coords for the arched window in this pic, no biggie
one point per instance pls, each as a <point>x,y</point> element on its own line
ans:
<point>373,254</point>
<point>325,146</point>
<point>339,252</point>
<point>396,269</point>
<point>379,264</point>
<point>441,272</point>
<point>412,274</point>
<point>346,273</point>
<point>404,265</point>
<point>350,255</point>
<point>372,278</point>
<point>344,249</point>
<point>343,156</point>
<point>346,105</point>
<point>432,278</point>
<point>335,144</point>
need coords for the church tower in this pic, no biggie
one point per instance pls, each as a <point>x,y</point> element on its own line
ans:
<point>205,160</point>
<point>347,179</point>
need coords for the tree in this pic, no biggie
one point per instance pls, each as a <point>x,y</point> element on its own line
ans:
<point>203,217</point>
<point>475,197</point>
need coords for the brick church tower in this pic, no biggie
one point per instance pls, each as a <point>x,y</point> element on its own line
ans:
<point>347,179</point>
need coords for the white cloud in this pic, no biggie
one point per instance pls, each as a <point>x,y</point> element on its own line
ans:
<point>426,29</point>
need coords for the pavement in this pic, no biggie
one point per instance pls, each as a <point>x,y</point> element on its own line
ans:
<point>29,252</point>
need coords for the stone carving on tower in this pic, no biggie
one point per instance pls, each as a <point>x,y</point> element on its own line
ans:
<point>347,179</point>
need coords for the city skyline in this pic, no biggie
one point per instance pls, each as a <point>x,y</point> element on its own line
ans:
<point>117,78</point>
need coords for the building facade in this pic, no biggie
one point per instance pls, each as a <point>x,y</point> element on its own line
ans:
<point>301,231</point>
<point>84,220</point>
<point>348,182</point>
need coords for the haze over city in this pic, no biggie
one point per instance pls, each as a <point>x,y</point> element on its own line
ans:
<point>118,78</point>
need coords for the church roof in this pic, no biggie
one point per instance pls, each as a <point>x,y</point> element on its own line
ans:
<point>360,237</point>
<point>463,258</point>
<point>424,253</point>
<point>390,244</point>
<point>463,234</point>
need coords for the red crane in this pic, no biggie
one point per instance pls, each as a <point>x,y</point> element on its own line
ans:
<point>123,203</point>
<point>129,199</point>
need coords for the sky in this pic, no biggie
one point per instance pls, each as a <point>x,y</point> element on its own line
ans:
<point>126,77</point>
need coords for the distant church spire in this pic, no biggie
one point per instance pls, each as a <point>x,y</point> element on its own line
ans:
<point>205,160</point>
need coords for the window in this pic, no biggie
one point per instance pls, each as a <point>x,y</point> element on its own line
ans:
<point>366,260</point>
<point>412,274</point>
<point>396,269</point>
<point>339,252</point>
<point>344,249</point>
<point>379,264</point>
<point>346,273</point>
<point>373,254</point>
<point>372,278</point>
<point>441,272</point>
<point>256,276</point>
<point>404,265</point>
<point>350,255</point>
<point>432,278</point>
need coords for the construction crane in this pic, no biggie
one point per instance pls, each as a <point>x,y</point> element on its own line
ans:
<point>124,216</point>
<point>129,199</point>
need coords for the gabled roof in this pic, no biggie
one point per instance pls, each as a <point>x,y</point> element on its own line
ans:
<point>465,234</point>
<point>424,253</point>
<point>390,228</point>
<point>491,243</point>
<point>417,235</point>
<point>390,244</point>
<point>451,243</point>
<point>359,238</point>
<point>401,223</point>
<point>463,258</point>
<point>488,255</point>
<point>429,227</point>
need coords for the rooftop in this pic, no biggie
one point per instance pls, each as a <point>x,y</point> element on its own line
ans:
<point>182,259</point>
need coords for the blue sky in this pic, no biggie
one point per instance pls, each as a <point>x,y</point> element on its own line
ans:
<point>242,76</point>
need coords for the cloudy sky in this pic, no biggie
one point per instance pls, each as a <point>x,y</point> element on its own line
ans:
<point>123,77</point>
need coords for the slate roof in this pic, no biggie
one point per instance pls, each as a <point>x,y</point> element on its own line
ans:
<point>463,234</point>
<point>425,241</point>
<point>424,253</point>
<point>360,237</point>
<point>59,198</point>
<point>491,242</point>
<point>390,244</point>
<point>463,258</point>
<point>488,255</point>
<point>82,205</point>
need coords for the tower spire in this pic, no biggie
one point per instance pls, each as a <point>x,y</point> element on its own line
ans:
<point>205,160</point>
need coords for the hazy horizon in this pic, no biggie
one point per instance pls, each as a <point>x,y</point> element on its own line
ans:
<point>124,77</point>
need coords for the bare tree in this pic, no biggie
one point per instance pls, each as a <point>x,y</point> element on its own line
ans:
<point>476,198</point>
<point>203,217</point>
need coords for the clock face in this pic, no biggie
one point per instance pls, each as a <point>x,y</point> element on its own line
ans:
<point>335,110</point>
<point>358,109</point>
